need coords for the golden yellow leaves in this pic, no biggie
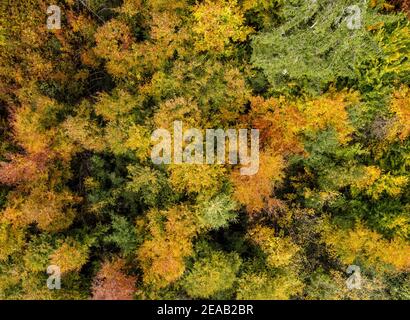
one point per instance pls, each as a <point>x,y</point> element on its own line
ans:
<point>236,95</point>
<point>24,35</point>
<point>400,223</point>
<point>197,178</point>
<point>36,128</point>
<point>400,106</point>
<point>114,105</point>
<point>162,256</point>
<point>371,174</point>
<point>368,246</point>
<point>279,123</point>
<point>263,286</point>
<point>330,111</point>
<point>27,125</point>
<point>11,240</point>
<point>279,250</point>
<point>70,256</point>
<point>112,38</point>
<point>51,211</point>
<point>119,134</point>
<point>282,125</point>
<point>374,183</point>
<point>113,41</point>
<point>163,262</point>
<point>167,36</point>
<point>215,93</point>
<point>163,27</point>
<point>131,7</point>
<point>217,23</point>
<point>139,140</point>
<point>391,185</point>
<point>251,4</point>
<point>130,59</point>
<point>181,108</point>
<point>254,191</point>
<point>83,131</point>
<point>34,172</point>
<point>159,5</point>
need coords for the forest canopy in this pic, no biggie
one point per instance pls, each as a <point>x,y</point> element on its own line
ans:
<point>325,83</point>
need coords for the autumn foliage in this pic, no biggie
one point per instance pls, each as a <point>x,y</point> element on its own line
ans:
<point>79,190</point>
<point>111,283</point>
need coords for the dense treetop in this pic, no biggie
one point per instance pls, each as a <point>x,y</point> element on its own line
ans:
<point>78,188</point>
